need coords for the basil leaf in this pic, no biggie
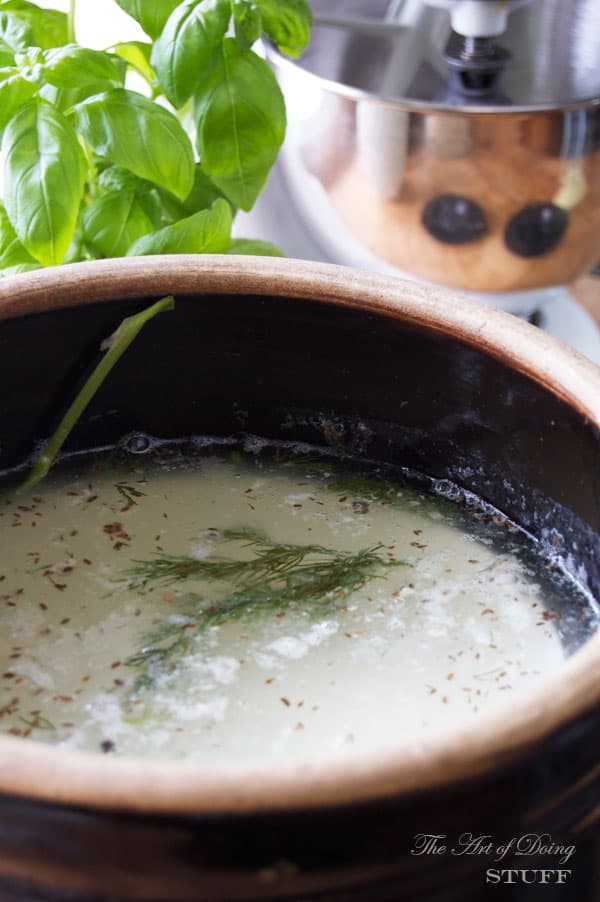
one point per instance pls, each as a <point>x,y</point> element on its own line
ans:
<point>115,178</point>
<point>7,55</point>
<point>14,92</point>
<point>29,64</point>
<point>162,207</point>
<point>287,23</point>
<point>62,98</point>
<point>76,250</point>
<point>44,178</point>
<point>247,21</point>
<point>204,192</point>
<point>151,14</point>
<point>113,222</point>
<point>73,73</point>
<point>255,247</point>
<point>207,232</point>
<point>134,132</point>
<point>12,252</point>
<point>240,124</point>
<point>15,34</point>
<point>82,71</point>
<point>48,27</point>
<point>186,49</point>
<point>165,209</point>
<point>137,55</point>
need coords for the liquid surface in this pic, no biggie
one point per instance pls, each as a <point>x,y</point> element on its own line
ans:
<point>120,633</point>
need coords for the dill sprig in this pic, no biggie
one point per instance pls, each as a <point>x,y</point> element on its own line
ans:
<point>38,723</point>
<point>277,578</point>
<point>128,492</point>
<point>271,560</point>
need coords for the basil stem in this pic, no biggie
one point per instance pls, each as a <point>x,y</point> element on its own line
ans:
<point>116,346</point>
<point>71,22</point>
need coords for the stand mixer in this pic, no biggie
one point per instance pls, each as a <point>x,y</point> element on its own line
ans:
<point>453,141</point>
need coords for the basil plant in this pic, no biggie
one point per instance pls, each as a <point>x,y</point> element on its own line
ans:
<point>93,169</point>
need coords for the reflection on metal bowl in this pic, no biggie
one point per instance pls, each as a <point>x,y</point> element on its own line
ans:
<point>495,198</point>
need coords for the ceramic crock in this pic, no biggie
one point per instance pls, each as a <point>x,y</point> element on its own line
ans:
<point>406,374</point>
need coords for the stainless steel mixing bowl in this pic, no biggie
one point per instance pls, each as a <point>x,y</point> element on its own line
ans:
<point>385,167</point>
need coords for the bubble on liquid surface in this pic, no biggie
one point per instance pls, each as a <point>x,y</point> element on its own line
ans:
<point>137,443</point>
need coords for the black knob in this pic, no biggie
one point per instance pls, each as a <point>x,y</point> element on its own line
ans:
<point>536,229</point>
<point>454,219</point>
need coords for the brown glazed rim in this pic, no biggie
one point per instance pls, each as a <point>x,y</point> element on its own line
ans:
<point>104,782</point>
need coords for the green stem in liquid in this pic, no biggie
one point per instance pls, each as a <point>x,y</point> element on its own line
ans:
<point>117,345</point>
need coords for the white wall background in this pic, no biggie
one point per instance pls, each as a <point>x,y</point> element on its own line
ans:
<point>99,23</point>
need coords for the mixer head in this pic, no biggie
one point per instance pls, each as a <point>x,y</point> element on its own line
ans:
<point>472,18</point>
<point>549,50</point>
<point>476,63</point>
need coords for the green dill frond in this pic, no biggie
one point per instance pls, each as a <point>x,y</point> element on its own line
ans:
<point>38,723</point>
<point>277,577</point>
<point>129,492</point>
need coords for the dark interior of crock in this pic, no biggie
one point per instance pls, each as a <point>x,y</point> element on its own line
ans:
<point>314,372</point>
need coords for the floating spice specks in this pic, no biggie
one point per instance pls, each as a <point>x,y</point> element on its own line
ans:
<point>174,619</point>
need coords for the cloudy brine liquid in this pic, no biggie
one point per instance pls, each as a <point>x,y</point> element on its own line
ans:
<point>233,607</point>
